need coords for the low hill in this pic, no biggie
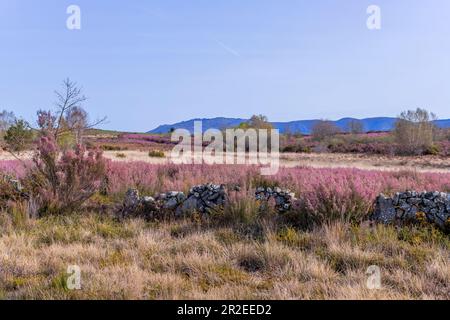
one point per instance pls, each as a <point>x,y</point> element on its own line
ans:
<point>300,126</point>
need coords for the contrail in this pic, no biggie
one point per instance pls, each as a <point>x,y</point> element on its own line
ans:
<point>227,48</point>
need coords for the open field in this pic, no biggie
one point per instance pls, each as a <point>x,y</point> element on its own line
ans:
<point>320,249</point>
<point>325,160</point>
<point>315,160</point>
<point>238,253</point>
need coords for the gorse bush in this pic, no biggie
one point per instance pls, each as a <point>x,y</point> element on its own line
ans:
<point>156,154</point>
<point>62,181</point>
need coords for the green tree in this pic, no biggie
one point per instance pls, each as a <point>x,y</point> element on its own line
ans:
<point>19,136</point>
<point>256,122</point>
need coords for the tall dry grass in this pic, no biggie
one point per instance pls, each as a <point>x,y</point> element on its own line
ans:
<point>135,259</point>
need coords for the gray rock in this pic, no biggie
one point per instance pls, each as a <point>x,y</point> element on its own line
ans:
<point>384,209</point>
<point>190,204</point>
<point>131,198</point>
<point>172,203</point>
<point>414,201</point>
<point>404,208</point>
<point>428,203</point>
<point>411,214</point>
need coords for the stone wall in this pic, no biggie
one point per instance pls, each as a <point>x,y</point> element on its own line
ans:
<point>201,198</point>
<point>412,206</point>
<point>402,208</point>
<point>283,198</point>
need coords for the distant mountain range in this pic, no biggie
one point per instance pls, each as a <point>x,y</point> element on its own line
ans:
<point>300,126</point>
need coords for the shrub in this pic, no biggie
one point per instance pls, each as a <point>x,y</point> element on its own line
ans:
<point>156,154</point>
<point>9,190</point>
<point>63,184</point>
<point>108,147</point>
<point>297,148</point>
<point>251,262</point>
<point>432,150</point>
<point>341,195</point>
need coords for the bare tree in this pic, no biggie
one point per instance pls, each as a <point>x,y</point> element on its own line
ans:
<point>7,119</point>
<point>70,98</point>
<point>77,120</point>
<point>324,129</point>
<point>70,115</point>
<point>415,131</point>
<point>355,126</point>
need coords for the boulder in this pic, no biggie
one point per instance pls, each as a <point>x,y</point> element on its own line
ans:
<point>385,211</point>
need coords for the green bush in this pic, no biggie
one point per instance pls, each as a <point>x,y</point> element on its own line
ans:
<point>156,154</point>
<point>432,150</point>
<point>108,147</point>
<point>19,136</point>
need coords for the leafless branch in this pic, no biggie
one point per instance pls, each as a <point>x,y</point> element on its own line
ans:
<point>72,97</point>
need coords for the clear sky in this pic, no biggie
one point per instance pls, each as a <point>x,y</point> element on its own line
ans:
<point>145,63</point>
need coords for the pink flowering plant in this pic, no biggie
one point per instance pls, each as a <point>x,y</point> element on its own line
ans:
<point>62,181</point>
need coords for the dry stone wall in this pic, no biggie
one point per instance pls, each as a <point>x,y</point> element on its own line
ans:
<point>402,208</point>
<point>201,198</point>
<point>412,206</point>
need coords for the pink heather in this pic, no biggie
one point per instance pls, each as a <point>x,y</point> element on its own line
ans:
<point>339,187</point>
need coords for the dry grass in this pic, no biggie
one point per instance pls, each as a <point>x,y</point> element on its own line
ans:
<point>134,259</point>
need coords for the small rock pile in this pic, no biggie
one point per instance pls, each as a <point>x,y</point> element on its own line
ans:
<point>204,198</point>
<point>201,198</point>
<point>170,200</point>
<point>412,206</point>
<point>283,198</point>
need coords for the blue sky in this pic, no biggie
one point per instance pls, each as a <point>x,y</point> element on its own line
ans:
<point>145,63</point>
